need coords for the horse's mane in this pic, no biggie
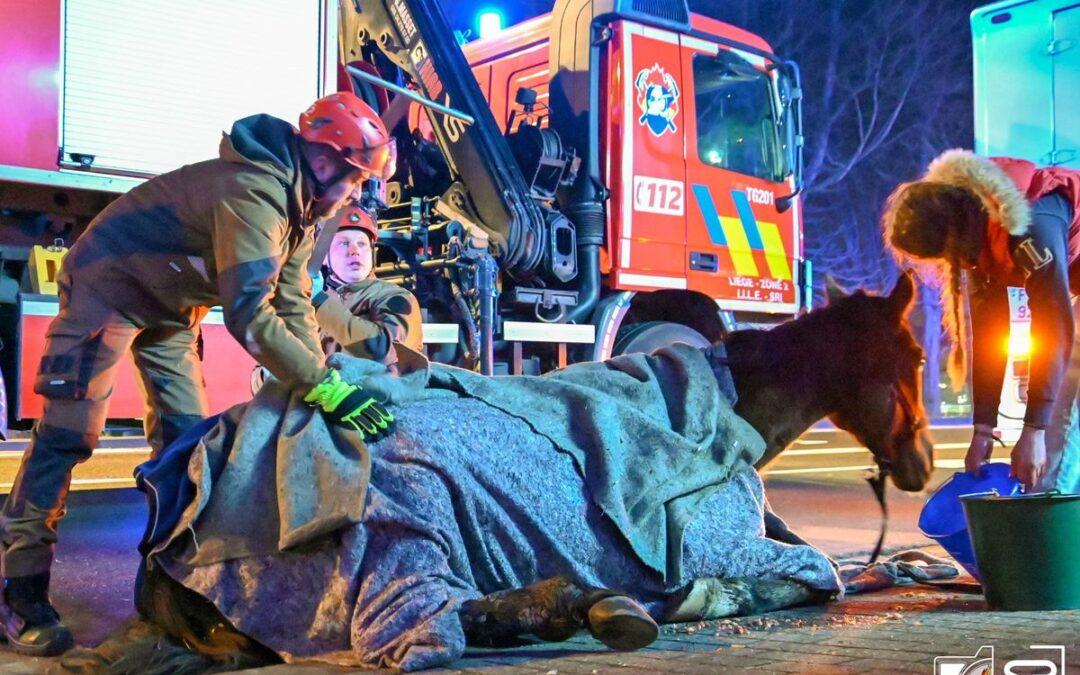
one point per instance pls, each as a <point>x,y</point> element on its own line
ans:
<point>833,362</point>
<point>838,332</point>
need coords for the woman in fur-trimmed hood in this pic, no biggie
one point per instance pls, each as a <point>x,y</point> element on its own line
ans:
<point>1004,222</point>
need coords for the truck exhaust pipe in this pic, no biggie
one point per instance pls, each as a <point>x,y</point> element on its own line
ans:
<point>578,32</point>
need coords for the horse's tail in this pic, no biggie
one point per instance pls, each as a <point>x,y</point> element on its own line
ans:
<point>137,648</point>
<point>194,622</point>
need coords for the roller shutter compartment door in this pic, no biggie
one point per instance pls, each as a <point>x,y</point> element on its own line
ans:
<point>150,86</point>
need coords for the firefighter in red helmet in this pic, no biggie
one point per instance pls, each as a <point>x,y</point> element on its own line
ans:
<point>234,231</point>
<point>362,315</point>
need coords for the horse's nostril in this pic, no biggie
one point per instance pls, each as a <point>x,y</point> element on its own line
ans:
<point>915,464</point>
<point>909,482</point>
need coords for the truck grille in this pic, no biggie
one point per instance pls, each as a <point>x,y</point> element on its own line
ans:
<point>663,9</point>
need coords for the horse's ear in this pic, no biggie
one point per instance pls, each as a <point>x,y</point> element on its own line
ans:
<point>903,293</point>
<point>833,290</point>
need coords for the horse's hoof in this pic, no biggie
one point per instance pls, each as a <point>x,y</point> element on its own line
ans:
<point>622,624</point>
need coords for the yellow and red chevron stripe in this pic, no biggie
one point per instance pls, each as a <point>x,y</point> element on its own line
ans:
<point>743,235</point>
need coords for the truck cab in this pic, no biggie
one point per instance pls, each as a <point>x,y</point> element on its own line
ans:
<point>698,145</point>
<point>698,154</point>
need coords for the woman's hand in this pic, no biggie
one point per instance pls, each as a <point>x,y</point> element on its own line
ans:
<point>982,446</point>
<point>1029,457</point>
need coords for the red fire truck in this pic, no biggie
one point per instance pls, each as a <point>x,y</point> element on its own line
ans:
<point>607,178</point>
<point>698,148</point>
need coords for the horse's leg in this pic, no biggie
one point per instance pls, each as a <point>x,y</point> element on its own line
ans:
<point>554,610</point>
<point>712,598</point>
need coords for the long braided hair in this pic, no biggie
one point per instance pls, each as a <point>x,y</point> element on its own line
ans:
<point>935,228</point>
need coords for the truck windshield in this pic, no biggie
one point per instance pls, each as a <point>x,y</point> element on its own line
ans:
<point>737,117</point>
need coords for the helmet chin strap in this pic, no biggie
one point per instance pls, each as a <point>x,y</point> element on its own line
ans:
<point>320,188</point>
<point>333,281</point>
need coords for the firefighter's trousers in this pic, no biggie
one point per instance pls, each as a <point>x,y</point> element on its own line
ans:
<point>1063,434</point>
<point>84,346</point>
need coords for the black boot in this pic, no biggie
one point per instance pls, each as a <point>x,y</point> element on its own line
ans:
<point>555,609</point>
<point>31,625</point>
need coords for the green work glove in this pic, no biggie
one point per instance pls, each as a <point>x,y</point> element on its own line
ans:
<point>350,406</point>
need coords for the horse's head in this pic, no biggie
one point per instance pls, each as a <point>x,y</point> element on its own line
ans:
<point>880,403</point>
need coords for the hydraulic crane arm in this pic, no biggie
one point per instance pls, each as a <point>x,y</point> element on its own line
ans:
<point>488,183</point>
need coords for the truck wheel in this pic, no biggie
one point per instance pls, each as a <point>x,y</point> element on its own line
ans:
<point>648,336</point>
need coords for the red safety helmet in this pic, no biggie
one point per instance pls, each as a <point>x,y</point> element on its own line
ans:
<point>352,217</point>
<point>351,127</point>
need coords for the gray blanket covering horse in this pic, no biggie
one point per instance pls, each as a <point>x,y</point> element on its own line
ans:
<point>633,474</point>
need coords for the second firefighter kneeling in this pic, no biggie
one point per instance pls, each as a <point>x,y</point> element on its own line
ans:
<point>358,313</point>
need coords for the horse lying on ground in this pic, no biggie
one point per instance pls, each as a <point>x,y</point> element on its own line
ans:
<point>451,567</point>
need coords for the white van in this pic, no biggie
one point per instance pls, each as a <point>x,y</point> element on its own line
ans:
<point>1027,105</point>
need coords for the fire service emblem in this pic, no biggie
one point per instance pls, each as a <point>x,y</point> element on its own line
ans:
<point>658,99</point>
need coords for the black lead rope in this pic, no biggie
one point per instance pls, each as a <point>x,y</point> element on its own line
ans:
<point>877,481</point>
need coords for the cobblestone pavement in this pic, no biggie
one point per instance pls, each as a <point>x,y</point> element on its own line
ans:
<point>898,631</point>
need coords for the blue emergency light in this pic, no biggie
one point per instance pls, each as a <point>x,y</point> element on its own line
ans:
<point>491,23</point>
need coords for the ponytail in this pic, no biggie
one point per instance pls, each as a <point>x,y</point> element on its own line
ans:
<point>955,310</point>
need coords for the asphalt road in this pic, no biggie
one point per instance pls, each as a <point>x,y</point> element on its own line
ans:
<point>819,486</point>
<point>834,453</point>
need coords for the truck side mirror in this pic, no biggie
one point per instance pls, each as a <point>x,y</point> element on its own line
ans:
<point>790,91</point>
<point>526,98</point>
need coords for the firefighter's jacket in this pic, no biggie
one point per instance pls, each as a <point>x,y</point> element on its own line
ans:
<point>234,231</point>
<point>367,317</point>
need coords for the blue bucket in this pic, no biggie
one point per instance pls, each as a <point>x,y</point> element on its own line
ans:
<point>942,517</point>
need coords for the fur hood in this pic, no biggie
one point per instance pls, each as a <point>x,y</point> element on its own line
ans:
<point>1000,196</point>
